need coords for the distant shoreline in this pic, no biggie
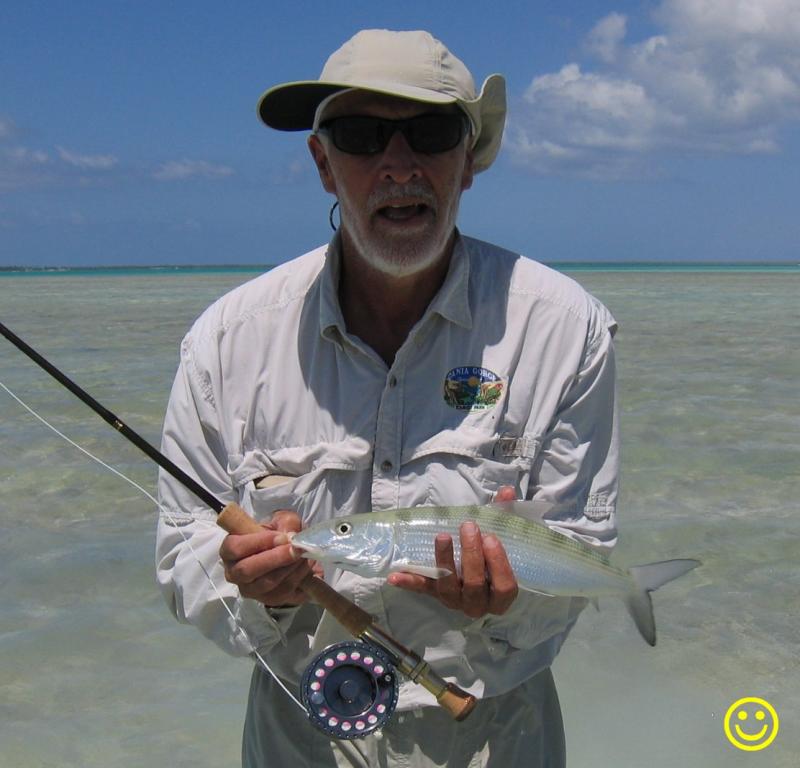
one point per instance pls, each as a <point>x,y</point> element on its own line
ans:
<point>565,266</point>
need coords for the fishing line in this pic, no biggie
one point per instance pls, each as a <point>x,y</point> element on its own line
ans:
<point>172,522</point>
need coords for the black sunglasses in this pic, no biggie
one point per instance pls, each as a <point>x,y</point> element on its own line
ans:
<point>428,134</point>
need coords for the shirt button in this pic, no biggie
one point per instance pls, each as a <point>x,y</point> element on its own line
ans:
<point>393,382</point>
<point>386,466</point>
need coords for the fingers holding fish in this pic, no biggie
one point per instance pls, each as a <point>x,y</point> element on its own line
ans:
<point>238,546</point>
<point>503,587</point>
<point>263,565</point>
<point>474,582</point>
<point>506,493</point>
<point>486,585</point>
<point>447,588</point>
<point>286,520</point>
<point>489,582</point>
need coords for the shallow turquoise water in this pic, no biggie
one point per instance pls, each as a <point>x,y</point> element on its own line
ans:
<point>94,671</point>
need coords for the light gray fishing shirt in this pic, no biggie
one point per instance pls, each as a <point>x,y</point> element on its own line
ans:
<point>508,379</point>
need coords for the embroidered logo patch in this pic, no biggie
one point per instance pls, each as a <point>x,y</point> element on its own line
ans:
<point>472,389</point>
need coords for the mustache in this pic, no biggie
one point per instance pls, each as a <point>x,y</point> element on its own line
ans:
<point>418,191</point>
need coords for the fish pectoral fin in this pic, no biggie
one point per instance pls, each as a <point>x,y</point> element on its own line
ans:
<point>428,571</point>
<point>537,591</point>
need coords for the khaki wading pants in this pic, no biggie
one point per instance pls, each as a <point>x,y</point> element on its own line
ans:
<point>521,729</point>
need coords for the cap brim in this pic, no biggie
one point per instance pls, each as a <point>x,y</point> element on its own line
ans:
<point>291,106</point>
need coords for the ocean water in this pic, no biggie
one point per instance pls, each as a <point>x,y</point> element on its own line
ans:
<point>95,672</point>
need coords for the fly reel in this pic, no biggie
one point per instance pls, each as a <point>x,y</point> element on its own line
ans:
<point>349,690</point>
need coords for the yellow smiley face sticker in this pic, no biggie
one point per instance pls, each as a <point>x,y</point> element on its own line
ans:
<point>751,724</point>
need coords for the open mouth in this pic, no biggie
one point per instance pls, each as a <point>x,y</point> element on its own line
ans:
<point>403,212</point>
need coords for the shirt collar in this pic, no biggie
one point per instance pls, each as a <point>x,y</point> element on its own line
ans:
<point>331,319</point>
<point>451,302</point>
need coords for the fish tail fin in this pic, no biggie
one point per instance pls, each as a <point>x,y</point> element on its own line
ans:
<point>648,578</point>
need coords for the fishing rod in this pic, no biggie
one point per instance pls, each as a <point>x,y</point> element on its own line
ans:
<point>356,684</point>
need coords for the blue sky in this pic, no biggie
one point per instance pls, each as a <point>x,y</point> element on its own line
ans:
<point>667,129</point>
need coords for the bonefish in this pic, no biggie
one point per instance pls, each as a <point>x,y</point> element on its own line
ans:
<point>543,560</point>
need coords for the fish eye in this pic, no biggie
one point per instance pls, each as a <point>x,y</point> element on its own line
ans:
<point>342,529</point>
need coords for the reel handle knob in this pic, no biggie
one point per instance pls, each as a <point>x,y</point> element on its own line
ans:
<point>457,702</point>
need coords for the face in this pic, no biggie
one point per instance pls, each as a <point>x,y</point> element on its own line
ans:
<point>398,207</point>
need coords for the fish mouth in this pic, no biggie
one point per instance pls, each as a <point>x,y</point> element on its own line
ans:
<point>323,554</point>
<point>305,548</point>
<point>358,562</point>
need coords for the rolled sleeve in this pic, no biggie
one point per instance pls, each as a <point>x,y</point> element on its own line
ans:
<point>188,569</point>
<point>578,464</point>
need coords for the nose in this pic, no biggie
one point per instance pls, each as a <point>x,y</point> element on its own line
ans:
<point>399,163</point>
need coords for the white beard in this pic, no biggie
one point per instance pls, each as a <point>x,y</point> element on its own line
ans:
<point>407,253</point>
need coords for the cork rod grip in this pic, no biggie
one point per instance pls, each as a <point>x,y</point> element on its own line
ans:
<point>234,519</point>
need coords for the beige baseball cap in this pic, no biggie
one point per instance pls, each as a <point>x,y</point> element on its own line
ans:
<point>411,65</point>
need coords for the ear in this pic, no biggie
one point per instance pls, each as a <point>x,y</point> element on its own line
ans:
<point>317,149</point>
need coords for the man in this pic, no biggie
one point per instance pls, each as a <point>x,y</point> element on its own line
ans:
<point>403,364</point>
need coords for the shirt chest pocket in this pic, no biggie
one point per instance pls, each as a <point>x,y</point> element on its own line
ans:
<point>465,466</point>
<point>317,481</point>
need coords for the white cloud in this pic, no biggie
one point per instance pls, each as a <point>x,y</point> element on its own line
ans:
<point>25,156</point>
<point>87,162</point>
<point>176,170</point>
<point>722,77</point>
<point>611,102</point>
<point>604,40</point>
<point>22,167</point>
<point>772,22</point>
<point>25,168</point>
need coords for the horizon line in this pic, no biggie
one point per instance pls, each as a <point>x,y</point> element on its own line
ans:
<point>554,262</point>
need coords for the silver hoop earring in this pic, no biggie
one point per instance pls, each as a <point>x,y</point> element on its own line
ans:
<point>330,216</point>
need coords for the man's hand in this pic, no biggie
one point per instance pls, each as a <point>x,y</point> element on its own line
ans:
<point>487,583</point>
<point>264,566</point>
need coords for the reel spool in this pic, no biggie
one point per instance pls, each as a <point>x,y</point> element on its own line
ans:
<point>349,690</point>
